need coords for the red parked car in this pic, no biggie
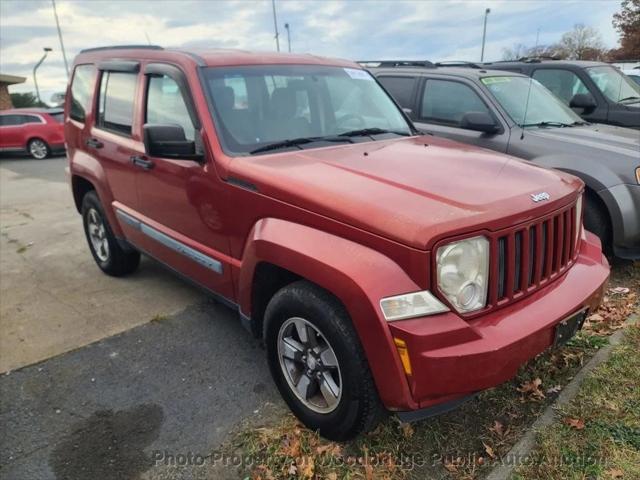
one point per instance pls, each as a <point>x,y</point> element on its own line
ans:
<point>37,131</point>
<point>384,270</point>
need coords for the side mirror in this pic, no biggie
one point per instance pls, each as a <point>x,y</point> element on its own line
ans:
<point>584,101</point>
<point>479,122</point>
<point>169,141</point>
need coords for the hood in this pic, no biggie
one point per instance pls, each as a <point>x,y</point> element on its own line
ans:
<point>411,190</point>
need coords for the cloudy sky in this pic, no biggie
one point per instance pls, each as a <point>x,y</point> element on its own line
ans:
<point>356,29</point>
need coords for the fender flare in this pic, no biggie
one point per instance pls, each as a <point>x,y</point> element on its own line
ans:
<point>594,174</point>
<point>357,275</point>
<point>88,168</point>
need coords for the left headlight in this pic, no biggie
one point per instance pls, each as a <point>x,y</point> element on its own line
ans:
<point>463,271</point>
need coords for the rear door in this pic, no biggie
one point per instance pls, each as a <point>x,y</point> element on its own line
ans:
<point>181,201</point>
<point>113,139</point>
<point>403,89</point>
<point>11,132</point>
<point>441,104</point>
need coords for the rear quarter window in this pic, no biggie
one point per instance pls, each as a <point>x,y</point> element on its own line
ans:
<point>82,86</point>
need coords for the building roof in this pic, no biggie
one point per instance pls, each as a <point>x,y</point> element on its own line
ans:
<point>11,79</point>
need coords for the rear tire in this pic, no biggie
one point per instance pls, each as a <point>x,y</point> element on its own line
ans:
<point>106,251</point>
<point>334,392</point>
<point>38,149</point>
<point>596,220</point>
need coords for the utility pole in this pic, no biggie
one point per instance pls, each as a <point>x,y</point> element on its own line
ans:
<point>484,32</point>
<point>35,68</point>
<point>64,53</point>
<point>286,25</point>
<point>275,24</point>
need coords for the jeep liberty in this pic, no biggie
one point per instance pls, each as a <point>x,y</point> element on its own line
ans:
<point>384,270</point>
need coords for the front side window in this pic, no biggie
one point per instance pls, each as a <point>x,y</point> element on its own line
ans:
<point>528,103</point>
<point>165,105</point>
<point>614,85</point>
<point>446,102</point>
<point>117,95</point>
<point>256,106</point>
<point>81,91</point>
<point>400,88</point>
<point>564,84</point>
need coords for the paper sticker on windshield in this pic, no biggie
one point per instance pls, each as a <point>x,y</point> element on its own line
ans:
<point>358,74</point>
<point>492,80</point>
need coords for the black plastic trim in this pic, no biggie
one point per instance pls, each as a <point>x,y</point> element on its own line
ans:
<point>122,47</point>
<point>415,415</point>
<point>128,66</point>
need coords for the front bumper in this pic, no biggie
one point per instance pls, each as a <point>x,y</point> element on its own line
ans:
<point>452,357</point>
<point>623,203</point>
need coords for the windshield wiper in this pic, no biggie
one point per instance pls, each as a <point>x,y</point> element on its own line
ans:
<point>629,98</point>
<point>296,142</point>
<point>371,131</point>
<point>551,124</point>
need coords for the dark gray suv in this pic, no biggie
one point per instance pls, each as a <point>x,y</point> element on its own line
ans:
<point>510,113</point>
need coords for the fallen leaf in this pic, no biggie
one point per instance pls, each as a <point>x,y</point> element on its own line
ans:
<point>615,473</point>
<point>532,388</point>
<point>497,428</point>
<point>450,467</point>
<point>368,471</point>
<point>306,466</point>
<point>554,389</point>
<point>489,450</point>
<point>292,470</point>
<point>576,423</point>
<point>619,290</point>
<point>407,430</point>
<point>332,476</point>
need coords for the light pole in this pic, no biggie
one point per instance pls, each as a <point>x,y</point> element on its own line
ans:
<point>286,25</point>
<point>275,24</point>
<point>64,53</point>
<point>484,32</point>
<point>35,82</point>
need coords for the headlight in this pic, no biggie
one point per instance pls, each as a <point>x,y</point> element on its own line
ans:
<point>410,305</point>
<point>463,271</point>
<point>578,220</point>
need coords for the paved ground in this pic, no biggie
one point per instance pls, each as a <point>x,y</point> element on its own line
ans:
<point>125,387</point>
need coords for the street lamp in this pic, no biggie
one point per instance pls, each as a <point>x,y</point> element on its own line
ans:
<point>35,82</point>
<point>484,32</point>
<point>275,25</point>
<point>286,25</point>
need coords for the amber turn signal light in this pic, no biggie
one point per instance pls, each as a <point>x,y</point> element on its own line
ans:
<point>401,346</point>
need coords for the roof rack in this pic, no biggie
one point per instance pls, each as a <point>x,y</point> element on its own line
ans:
<point>537,59</point>
<point>123,47</point>
<point>397,63</point>
<point>458,63</point>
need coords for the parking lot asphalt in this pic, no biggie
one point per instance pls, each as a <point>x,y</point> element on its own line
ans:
<point>100,373</point>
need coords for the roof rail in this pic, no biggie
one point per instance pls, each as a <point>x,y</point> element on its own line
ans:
<point>123,47</point>
<point>396,63</point>
<point>537,59</point>
<point>458,63</point>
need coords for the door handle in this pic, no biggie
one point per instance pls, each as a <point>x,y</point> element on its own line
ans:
<point>94,143</point>
<point>142,162</point>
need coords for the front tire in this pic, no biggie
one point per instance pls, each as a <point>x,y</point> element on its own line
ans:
<point>38,149</point>
<point>318,363</point>
<point>106,251</point>
<point>596,220</point>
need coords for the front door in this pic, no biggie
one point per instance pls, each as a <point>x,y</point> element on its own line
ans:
<point>181,200</point>
<point>440,109</point>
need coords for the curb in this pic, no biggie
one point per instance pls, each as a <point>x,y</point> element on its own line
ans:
<point>526,444</point>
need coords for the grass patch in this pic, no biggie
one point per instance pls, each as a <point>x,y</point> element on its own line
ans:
<point>598,433</point>
<point>464,443</point>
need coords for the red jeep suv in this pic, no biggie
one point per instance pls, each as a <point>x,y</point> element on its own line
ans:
<point>384,270</point>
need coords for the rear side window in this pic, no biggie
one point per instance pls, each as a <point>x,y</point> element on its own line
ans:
<point>81,91</point>
<point>564,84</point>
<point>165,105</point>
<point>57,117</point>
<point>31,119</point>
<point>400,88</point>
<point>446,102</point>
<point>10,120</point>
<point>117,95</point>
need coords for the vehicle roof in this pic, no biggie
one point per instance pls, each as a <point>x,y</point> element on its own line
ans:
<point>466,72</point>
<point>545,61</point>
<point>32,110</point>
<point>211,57</point>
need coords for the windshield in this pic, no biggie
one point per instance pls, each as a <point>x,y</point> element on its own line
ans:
<point>613,84</point>
<point>542,106</point>
<point>261,105</point>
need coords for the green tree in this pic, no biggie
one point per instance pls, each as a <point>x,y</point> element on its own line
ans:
<point>26,100</point>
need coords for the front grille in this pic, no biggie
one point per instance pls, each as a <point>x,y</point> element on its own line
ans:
<point>526,257</point>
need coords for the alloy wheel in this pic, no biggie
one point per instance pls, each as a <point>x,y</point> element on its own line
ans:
<point>309,365</point>
<point>38,149</point>
<point>98,234</point>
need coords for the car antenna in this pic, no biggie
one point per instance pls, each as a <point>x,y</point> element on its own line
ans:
<point>526,108</point>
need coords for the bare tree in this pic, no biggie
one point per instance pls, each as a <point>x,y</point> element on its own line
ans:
<point>582,43</point>
<point>627,22</point>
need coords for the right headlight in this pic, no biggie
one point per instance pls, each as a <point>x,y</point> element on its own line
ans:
<point>463,272</point>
